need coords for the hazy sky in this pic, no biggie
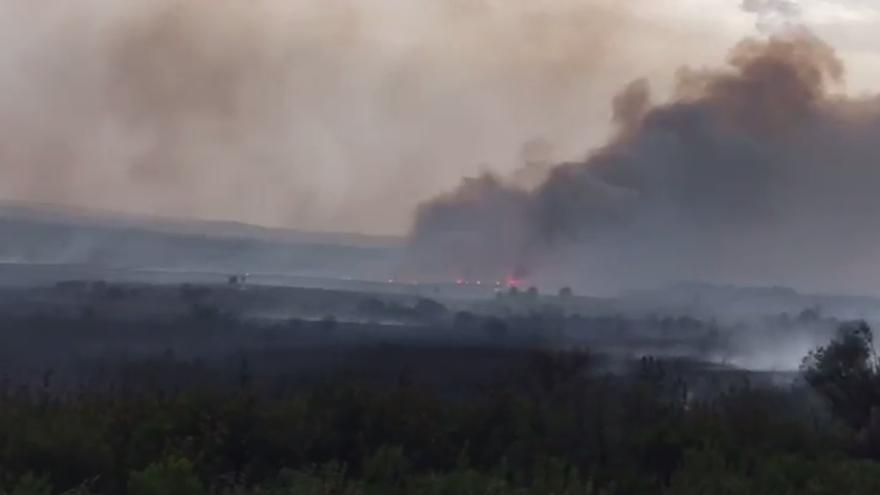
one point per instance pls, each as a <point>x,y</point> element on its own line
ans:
<point>342,114</point>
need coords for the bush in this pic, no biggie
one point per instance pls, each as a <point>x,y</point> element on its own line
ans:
<point>171,476</point>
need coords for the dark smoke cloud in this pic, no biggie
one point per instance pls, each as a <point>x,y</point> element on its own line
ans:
<point>754,173</point>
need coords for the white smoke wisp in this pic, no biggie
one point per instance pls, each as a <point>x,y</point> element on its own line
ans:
<point>774,16</point>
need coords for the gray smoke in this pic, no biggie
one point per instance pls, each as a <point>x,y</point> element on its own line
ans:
<point>323,114</point>
<point>752,173</point>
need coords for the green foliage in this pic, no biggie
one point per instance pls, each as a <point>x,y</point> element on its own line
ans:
<point>171,476</point>
<point>557,426</point>
<point>29,484</point>
<point>709,472</point>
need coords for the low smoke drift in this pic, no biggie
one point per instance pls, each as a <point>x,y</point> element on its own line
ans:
<point>752,173</point>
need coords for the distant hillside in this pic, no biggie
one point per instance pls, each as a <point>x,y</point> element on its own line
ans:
<point>98,218</point>
<point>41,234</point>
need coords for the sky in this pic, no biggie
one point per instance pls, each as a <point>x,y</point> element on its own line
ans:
<point>344,115</point>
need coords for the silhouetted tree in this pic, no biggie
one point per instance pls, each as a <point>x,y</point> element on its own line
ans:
<point>532,294</point>
<point>429,309</point>
<point>845,373</point>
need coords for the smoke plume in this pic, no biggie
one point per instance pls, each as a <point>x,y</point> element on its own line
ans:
<point>757,172</point>
<point>326,114</point>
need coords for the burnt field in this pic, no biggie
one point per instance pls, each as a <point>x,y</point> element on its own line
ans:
<point>236,388</point>
<point>90,328</point>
